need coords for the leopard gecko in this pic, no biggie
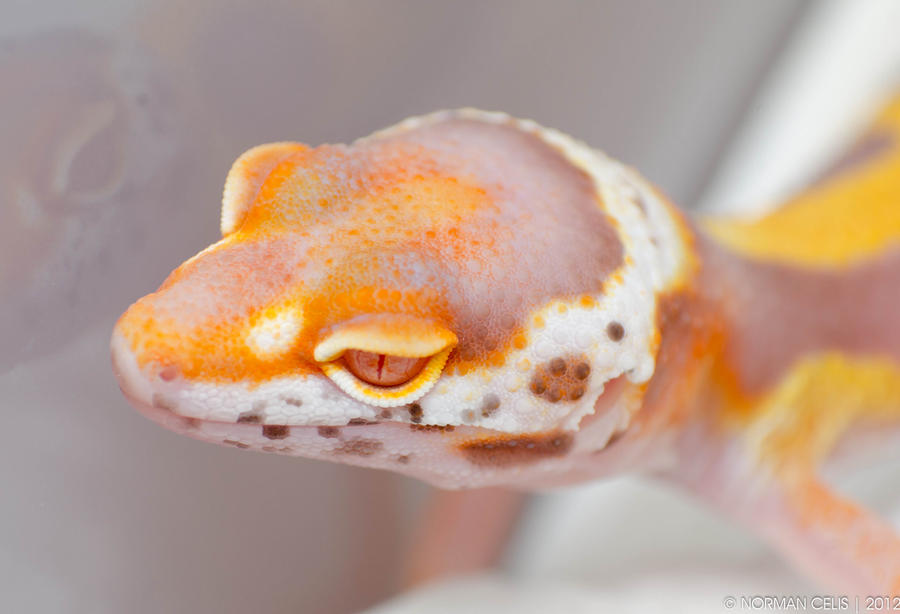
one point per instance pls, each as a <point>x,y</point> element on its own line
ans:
<point>476,300</point>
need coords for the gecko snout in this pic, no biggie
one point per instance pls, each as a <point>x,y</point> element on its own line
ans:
<point>132,383</point>
<point>146,371</point>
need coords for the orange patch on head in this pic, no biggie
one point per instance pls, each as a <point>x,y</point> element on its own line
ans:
<point>410,196</point>
<point>216,350</point>
<point>450,210</point>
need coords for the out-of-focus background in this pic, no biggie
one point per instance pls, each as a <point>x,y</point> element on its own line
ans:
<point>118,122</point>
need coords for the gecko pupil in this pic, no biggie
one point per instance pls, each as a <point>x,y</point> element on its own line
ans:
<point>383,369</point>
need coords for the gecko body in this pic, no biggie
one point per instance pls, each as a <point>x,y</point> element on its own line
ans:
<point>476,300</point>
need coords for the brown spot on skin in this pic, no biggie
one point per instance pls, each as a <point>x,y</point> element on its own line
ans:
<point>386,414</point>
<point>294,402</point>
<point>249,417</point>
<point>191,423</point>
<point>359,446</point>
<point>581,371</point>
<point>403,459</point>
<point>615,331</point>
<point>557,367</point>
<point>415,413</point>
<point>236,444</point>
<point>328,432</point>
<point>361,422</point>
<point>275,431</point>
<point>468,415</point>
<point>561,379</point>
<point>521,450</point>
<point>433,428</point>
<point>489,404</point>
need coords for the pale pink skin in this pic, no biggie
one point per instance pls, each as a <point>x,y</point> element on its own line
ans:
<point>768,316</point>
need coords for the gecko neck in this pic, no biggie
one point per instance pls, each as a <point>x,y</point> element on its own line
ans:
<point>736,328</point>
<point>689,323</point>
<point>773,314</point>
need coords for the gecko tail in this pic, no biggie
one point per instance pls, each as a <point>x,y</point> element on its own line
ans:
<point>850,214</point>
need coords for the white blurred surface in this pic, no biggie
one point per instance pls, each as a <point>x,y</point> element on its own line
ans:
<point>840,65</point>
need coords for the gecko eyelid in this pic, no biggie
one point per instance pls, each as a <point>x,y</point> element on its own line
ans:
<point>381,394</point>
<point>385,360</point>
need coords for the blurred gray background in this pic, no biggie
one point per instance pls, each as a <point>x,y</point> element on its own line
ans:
<point>120,121</point>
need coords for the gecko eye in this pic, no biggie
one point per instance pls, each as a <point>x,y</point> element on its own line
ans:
<point>383,369</point>
<point>385,359</point>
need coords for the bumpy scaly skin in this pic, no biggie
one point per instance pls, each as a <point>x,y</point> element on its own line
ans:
<point>527,261</point>
<point>574,325</point>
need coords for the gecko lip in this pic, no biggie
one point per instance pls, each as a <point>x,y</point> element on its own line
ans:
<point>442,454</point>
<point>125,367</point>
<point>156,389</point>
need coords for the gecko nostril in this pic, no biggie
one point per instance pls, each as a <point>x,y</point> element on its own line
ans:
<point>168,373</point>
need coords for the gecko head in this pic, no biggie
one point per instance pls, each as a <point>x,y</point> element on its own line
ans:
<point>464,297</point>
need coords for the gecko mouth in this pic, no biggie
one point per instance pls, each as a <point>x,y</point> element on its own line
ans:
<point>388,439</point>
<point>479,445</point>
<point>447,457</point>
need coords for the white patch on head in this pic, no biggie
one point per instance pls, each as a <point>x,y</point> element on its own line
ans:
<point>273,335</point>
